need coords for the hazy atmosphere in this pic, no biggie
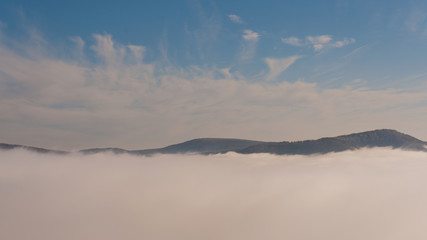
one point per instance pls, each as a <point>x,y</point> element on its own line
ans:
<point>369,194</point>
<point>184,120</point>
<point>138,74</point>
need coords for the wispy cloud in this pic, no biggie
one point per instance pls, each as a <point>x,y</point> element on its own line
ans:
<point>250,35</point>
<point>294,41</point>
<point>235,18</point>
<point>416,20</point>
<point>137,52</point>
<point>342,43</point>
<point>356,51</point>
<point>204,32</point>
<point>249,44</point>
<point>321,39</point>
<point>318,43</point>
<point>80,45</point>
<point>277,66</point>
<point>47,100</point>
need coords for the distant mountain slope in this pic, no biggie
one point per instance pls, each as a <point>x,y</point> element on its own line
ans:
<point>376,138</point>
<point>98,150</point>
<point>370,139</point>
<point>201,145</point>
<point>383,138</point>
<point>5,146</point>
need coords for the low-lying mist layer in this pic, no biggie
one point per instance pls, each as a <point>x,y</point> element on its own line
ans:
<point>367,194</point>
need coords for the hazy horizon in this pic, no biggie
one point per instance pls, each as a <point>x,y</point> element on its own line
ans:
<point>142,148</point>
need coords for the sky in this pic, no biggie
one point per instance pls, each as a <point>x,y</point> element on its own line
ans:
<point>141,74</point>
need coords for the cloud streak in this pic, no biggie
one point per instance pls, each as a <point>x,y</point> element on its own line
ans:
<point>277,66</point>
<point>249,45</point>
<point>235,19</point>
<point>368,194</point>
<point>250,35</point>
<point>318,43</point>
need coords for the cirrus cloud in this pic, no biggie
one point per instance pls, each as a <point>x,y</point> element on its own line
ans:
<point>318,43</point>
<point>250,35</point>
<point>249,45</point>
<point>235,18</point>
<point>277,66</point>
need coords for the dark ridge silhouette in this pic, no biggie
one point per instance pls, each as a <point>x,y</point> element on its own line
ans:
<point>98,150</point>
<point>370,139</point>
<point>201,145</point>
<point>384,138</point>
<point>5,146</point>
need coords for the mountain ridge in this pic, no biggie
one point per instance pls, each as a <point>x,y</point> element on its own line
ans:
<point>368,139</point>
<point>6,146</point>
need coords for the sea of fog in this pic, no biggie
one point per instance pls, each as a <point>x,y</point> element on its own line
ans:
<point>371,194</point>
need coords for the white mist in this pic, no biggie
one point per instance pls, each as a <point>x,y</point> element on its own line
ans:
<point>368,194</point>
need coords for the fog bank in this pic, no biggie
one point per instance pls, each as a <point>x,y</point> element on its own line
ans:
<point>367,194</point>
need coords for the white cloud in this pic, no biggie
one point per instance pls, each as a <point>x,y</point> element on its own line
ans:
<point>78,41</point>
<point>107,51</point>
<point>249,45</point>
<point>322,39</point>
<point>294,41</point>
<point>318,43</point>
<point>344,42</point>
<point>49,101</point>
<point>250,35</point>
<point>277,66</point>
<point>235,18</point>
<point>137,52</point>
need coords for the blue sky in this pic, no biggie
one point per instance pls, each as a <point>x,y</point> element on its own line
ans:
<point>143,74</point>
